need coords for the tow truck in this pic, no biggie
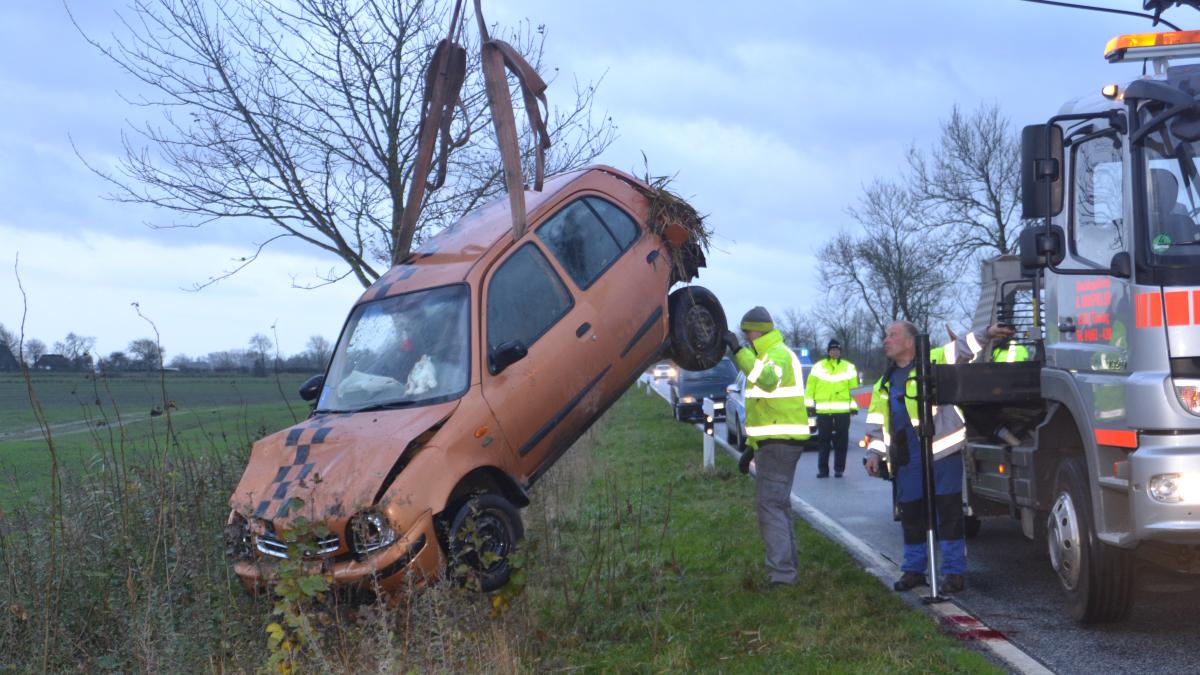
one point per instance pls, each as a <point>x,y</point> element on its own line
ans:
<point>1093,441</point>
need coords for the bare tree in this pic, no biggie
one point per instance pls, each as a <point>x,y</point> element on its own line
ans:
<point>968,185</point>
<point>895,269</point>
<point>798,328</point>
<point>34,349</point>
<point>115,361</point>
<point>10,340</point>
<point>319,351</point>
<point>842,319</point>
<point>77,348</point>
<point>147,354</point>
<point>304,114</point>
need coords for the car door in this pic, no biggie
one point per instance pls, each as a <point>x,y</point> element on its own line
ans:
<point>525,300</point>
<point>598,245</point>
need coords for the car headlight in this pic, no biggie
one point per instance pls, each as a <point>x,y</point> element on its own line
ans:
<point>1174,488</point>
<point>238,542</point>
<point>687,399</point>
<point>369,531</point>
<point>1188,392</point>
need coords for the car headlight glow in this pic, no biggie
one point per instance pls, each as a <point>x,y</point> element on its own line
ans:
<point>687,399</point>
<point>1174,488</point>
<point>370,531</point>
<point>1188,392</point>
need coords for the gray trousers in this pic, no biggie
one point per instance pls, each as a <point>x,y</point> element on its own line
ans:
<point>775,467</point>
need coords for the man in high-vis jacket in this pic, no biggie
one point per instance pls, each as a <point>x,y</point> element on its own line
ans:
<point>891,426</point>
<point>828,393</point>
<point>1010,352</point>
<point>776,430</point>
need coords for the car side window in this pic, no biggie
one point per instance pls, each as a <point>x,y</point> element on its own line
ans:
<point>1097,225</point>
<point>525,298</point>
<point>580,241</point>
<point>619,223</point>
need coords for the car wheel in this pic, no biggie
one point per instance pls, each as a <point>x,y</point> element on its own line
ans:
<point>697,325</point>
<point>730,436</point>
<point>1097,578</point>
<point>483,534</point>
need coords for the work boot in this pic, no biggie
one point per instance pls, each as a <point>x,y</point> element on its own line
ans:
<point>954,583</point>
<point>910,580</point>
<point>823,474</point>
<point>837,474</point>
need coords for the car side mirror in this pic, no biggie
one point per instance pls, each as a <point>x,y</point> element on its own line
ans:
<point>312,388</point>
<point>506,354</point>
<point>1121,266</point>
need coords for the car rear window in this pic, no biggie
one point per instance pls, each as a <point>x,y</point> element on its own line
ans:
<point>525,298</point>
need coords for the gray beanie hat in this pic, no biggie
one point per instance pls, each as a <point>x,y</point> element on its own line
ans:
<point>758,319</point>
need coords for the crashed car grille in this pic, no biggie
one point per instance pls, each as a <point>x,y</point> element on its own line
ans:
<point>268,544</point>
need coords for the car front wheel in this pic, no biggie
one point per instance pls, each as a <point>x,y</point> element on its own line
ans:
<point>484,533</point>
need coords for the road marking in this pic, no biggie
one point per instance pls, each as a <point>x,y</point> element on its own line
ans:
<point>952,618</point>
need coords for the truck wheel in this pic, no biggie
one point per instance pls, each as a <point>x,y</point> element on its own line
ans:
<point>1097,578</point>
<point>697,325</point>
<point>482,536</point>
<point>971,525</point>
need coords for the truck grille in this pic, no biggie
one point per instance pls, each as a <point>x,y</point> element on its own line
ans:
<point>268,544</point>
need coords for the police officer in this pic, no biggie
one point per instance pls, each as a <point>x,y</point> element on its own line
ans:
<point>891,426</point>
<point>776,429</point>
<point>828,393</point>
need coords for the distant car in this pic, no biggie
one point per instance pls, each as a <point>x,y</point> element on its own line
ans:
<point>461,376</point>
<point>665,371</point>
<point>692,387</point>
<point>735,402</point>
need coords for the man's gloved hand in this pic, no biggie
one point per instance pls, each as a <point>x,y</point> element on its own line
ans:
<point>854,411</point>
<point>744,462</point>
<point>812,412</point>
<point>731,342</point>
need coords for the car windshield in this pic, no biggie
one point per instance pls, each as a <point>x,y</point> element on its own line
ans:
<point>404,350</point>
<point>1174,202</point>
<point>724,371</point>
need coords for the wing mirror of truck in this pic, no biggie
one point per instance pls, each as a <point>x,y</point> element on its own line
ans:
<point>506,354</point>
<point>1041,171</point>
<point>1040,248</point>
<point>312,388</point>
<point>1121,266</point>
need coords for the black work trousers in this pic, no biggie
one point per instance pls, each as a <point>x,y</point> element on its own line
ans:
<point>833,435</point>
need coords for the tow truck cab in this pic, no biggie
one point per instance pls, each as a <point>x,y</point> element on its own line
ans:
<point>1093,440</point>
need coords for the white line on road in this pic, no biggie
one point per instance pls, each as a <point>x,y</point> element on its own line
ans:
<point>951,617</point>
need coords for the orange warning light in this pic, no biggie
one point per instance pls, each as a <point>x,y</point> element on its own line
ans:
<point>1150,45</point>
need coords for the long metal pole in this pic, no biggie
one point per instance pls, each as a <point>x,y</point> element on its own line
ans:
<point>925,432</point>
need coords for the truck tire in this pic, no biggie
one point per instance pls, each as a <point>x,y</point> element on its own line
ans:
<point>1097,578</point>
<point>697,328</point>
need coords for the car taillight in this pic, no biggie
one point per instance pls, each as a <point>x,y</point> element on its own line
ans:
<point>1188,392</point>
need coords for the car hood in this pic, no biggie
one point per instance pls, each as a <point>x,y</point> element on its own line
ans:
<point>333,464</point>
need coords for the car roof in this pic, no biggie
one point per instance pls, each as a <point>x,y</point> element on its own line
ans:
<point>449,256</point>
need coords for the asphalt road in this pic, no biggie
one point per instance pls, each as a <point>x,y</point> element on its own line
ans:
<point>1012,588</point>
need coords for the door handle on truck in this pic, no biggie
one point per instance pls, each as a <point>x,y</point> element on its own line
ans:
<point>1067,325</point>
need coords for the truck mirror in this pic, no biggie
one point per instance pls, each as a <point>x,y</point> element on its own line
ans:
<point>1041,171</point>
<point>311,388</point>
<point>1040,248</point>
<point>1121,266</point>
<point>506,354</point>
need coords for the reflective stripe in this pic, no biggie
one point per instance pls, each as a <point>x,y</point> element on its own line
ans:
<point>779,392</point>
<point>951,352</point>
<point>779,430</point>
<point>834,407</point>
<point>875,418</point>
<point>841,377</point>
<point>973,343</point>
<point>756,371</point>
<point>950,440</point>
<point>808,402</point>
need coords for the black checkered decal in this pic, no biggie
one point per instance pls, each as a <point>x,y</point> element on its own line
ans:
<point>315,431</point>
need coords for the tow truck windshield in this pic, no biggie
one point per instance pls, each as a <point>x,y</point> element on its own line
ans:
<point>401,351</point>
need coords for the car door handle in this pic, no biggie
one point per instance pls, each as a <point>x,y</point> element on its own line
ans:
<point>585,327</point>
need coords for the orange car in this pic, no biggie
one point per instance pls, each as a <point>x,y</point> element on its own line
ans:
<point>462,374</point>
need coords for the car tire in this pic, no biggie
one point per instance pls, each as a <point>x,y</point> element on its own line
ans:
<point>1097,578</point>
<point>485,531</point>
<point>697,328</point>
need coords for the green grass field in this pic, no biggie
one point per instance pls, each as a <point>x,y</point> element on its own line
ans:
<point>96,419</point>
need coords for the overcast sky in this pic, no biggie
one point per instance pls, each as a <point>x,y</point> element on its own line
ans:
<point>771,121</point>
